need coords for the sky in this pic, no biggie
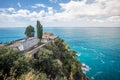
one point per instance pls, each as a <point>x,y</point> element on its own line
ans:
<point>60,13</point>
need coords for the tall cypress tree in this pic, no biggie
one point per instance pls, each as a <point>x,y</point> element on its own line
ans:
<point>39,30</point>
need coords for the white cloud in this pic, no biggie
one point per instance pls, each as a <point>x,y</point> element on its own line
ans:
<point>53,1</point>
<point>74,13</point>
<point>7,10</point>
<point>98,8</point>
<point>114,19</point>
<point>22,17</point>
<point>50,11</point>
<point>39,5</point>
<point>98,12</point>
<point>23,12</point>
<point>18,4</point>
<point>11,9</point>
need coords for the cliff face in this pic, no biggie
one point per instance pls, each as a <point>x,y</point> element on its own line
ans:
<point>54,61</point>
<point>59,62</point>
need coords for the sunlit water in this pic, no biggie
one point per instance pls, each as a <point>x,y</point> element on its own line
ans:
<point>99,48</point>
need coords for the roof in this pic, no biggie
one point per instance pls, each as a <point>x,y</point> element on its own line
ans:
<point>53,37</point>
<point>18,42</point>
<point>26,39</point>
<point>48,34</point>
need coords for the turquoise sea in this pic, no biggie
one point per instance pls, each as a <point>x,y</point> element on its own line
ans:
<point>98,48</point>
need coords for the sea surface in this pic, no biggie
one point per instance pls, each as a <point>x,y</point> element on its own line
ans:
<point>98,48</point>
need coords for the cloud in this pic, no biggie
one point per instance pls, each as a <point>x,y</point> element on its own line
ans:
<point>114,19</point>
<point>7,10</point>
<point>54,1</point>
<point>39,5</point>
<point>98,8</point>
<point>23,12</point>
<point>18,4</point>
<point>19,18</point>
<point>72,14</point>
<point>11,9</point>
<point>98,12</point>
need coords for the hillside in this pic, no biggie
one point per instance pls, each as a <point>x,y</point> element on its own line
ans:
<point>55,61</point>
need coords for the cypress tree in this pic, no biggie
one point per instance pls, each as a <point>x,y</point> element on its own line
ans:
<point>39,30</point>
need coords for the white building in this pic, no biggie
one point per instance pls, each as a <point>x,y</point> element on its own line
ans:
<point>25,44</point>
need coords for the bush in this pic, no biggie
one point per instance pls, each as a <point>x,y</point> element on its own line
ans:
<point>12,59</point>
<point>55,61</point>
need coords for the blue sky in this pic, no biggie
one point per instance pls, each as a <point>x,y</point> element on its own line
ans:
<point>26,4</point>
<point>60,13</point>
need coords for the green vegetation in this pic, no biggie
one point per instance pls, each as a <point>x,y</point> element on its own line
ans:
<point>59,62</point>
<point>39,30</point>
<point>55,61</point>
<point>12,63</point>
<point>29,32</point>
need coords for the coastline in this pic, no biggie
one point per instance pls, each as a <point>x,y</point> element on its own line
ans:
<point>78,38</point>
<point>59,51</point>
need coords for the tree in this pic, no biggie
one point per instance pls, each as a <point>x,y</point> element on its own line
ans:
<point>13,63</point>
<point>39,30</point>
<point>29,32</point>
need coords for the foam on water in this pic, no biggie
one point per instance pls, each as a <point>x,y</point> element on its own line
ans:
<point>98,73</point>
<point>85,68</point>
<point>78,54</point>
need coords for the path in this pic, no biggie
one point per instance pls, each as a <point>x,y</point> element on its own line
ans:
<point>35,50</point>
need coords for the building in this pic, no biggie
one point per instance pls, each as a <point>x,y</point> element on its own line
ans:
<point>27,43</point>
<point>47,36</point>
<point>24,44</point>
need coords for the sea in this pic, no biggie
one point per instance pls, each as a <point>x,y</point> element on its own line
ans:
<point>97,47</point>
